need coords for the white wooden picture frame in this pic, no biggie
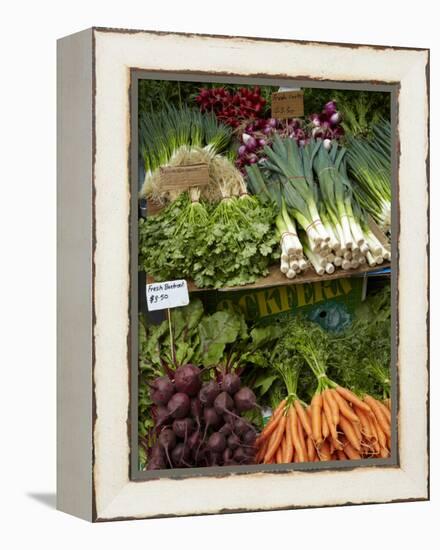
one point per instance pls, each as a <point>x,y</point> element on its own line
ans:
<point>96,69</point>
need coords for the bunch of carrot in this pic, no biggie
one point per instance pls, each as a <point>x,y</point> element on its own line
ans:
<point>285,438</point>
<point>337,425</point>
<point>345,427</point>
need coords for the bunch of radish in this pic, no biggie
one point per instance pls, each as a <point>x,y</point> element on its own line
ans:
<point>199,423</point>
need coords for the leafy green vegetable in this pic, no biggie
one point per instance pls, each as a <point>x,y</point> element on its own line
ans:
<point>215,332</point>
<point>231,249</point>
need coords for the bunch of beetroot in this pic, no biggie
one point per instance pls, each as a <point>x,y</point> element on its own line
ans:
<point>232,108</point>
<point>200,424</point>
<point>327,124</point>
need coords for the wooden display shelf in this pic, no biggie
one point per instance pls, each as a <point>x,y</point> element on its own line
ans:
<point>276,278</point>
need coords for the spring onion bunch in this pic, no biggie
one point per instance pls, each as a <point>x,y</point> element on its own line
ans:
<point>369,162</point>
<point>171,132</point>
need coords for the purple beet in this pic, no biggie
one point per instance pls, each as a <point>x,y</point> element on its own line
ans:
<point>223,402</point>
<point>211,417</point>
<point>233,442</point>
<point>209,392</point>
<point>161,390</point>
<point>183,427</point>
<point>155,465</point>
<point>180,455</point>
<point>194,440</point>
<point>157,458</point>
<point>240,455</point>
<point>226,429</point>
<point>214,458</point>
<point>231,383</point>
<point>241,426</point>
<point>245,400</point>
<point>249,437</point>
<point>187,379</point>
<point>227,455</point>
<point>216,442</point>
<point>196,409</point>
<point>162,416</point>
<point>167,440</point>
<point>179,405</point>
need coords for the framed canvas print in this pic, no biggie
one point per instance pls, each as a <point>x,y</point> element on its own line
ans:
<point>242,274</point>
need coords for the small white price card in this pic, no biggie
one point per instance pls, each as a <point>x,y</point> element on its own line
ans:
<point>167,295</point>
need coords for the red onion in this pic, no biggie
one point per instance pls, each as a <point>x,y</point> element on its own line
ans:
<point>330,107</point>
<point>335,118</point>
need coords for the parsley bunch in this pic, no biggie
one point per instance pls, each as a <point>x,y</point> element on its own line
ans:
<point>228,244</point>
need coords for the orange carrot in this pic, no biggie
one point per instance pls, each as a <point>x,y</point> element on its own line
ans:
<point>387,403</point>
<point>341,455</point>
<point>385,410</point>
<point>283,447</point>
<point>324,451</point>
<point>381,437</point>
<point>311,450</point>
<point>331,445</point>
<point>357,430</point>
<point>352,398</point>
<point>325,428</point>
<point>262,451</point>
<point>344,407</point>
<point>316,407</point>
<point>273,422</point>
<point>351,452</point>
<point>279,455</point>
<point>384,453</point>
<point>290,449</point>
<point>329,415</point>
<point>293,425</point>
<point>276,438</point>
<point>350,434</point>
<point>365,422</point>
<point>378,413</point>
<point>333,406</point>
<point>304,418</point>
<point>302,441</point>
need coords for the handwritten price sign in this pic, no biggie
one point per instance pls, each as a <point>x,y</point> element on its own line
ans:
<point>287,104</point>
<point>167,295</point>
